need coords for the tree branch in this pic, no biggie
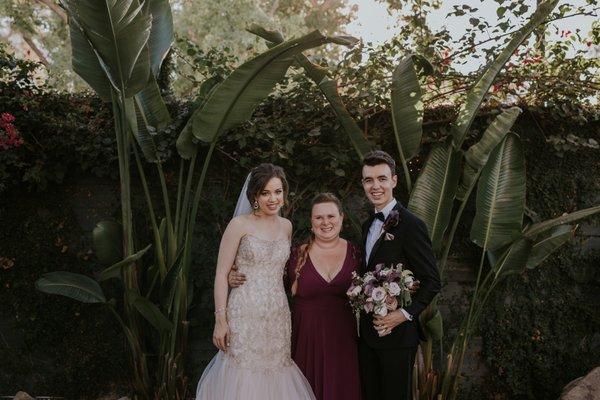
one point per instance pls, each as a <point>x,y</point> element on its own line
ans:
<point>590,13</point>
<point>55,8</point>
<point>274,8</point>
<point>36,50</point>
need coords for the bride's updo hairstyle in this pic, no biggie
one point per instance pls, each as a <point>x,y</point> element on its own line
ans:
<point>260,176</point>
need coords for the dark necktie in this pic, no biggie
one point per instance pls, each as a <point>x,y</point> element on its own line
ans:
<point>380,216</point>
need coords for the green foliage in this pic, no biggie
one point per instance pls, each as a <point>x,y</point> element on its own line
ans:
<point>541,329</point>
<point>60,131</point>
<point>56,347</point>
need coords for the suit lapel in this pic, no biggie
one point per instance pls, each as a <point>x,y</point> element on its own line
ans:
<point>397,207</point>
<point>365,232</point>
<point>365,229</point>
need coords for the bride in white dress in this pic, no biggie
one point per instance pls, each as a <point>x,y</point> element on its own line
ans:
<point>252,326</point>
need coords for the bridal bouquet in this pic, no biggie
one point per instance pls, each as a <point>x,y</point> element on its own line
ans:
<point>382,290</point>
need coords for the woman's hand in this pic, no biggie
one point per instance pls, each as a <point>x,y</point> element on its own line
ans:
<point>415,286</point>
<point>234,278</point>
<point>221,334</point>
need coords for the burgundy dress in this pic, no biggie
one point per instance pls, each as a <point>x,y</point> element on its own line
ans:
<point>324,337</point>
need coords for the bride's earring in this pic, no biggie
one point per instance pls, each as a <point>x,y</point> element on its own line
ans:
<point>255,205</point>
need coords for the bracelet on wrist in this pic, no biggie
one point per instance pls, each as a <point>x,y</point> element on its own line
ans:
<point>220,310</point>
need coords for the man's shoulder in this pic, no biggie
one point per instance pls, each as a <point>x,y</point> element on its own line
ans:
<point>409,219</point>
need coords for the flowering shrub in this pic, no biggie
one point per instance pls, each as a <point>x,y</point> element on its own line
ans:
<point>9,135</point>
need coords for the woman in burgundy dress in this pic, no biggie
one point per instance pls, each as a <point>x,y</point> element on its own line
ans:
<point>324,336</point>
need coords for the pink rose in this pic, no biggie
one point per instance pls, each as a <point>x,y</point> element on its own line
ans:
<point>391,303</point>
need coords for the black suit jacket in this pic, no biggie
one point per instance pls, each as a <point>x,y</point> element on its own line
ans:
<point>410,246</point>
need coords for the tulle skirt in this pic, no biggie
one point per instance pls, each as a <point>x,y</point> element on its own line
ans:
<point>223,379</point>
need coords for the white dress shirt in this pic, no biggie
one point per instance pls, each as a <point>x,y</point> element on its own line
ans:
<point>373,235</point>
<point>375,229</point>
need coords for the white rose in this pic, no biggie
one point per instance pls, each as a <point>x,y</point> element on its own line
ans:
<point>378,294</point>
<point>394,289</point>
<point>381,310</point>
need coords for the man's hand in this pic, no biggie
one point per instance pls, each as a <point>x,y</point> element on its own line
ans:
<point>234,278</point>
<point>384,325</point>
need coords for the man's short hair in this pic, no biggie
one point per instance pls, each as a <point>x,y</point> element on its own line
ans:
<point>377,157</point>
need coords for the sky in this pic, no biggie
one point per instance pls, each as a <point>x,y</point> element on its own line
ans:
<point>374,24</point>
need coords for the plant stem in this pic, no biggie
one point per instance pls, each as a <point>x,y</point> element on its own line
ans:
<point>171,242</point>
<point>158,245</point>
<point>450,238</point>
<point>179,190</point>
<point>185,207</point>
<point>467,327</point>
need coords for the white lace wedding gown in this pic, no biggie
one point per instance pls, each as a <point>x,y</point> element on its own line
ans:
<point>258,364</point>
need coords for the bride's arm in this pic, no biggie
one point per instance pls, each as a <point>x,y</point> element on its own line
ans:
<point>227,251</point>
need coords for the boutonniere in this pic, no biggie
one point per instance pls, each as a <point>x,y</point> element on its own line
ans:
<point>391,221</point>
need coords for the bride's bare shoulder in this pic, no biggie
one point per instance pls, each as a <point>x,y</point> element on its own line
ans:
<point>287,224</point>
<point>237,223</point>
<point>240,224</point>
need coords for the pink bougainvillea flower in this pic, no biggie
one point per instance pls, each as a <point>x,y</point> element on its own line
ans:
<point>7,117</point>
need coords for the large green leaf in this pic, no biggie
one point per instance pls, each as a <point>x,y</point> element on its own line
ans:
<point>154,110</point>
<point>186,143</point>
<point>500,196</point>
<point>407,109</point>
<point>75,286</point>
<point>542,249</point>
<point>432,196</point>
<point>435,326</point>
<point>114,271</point>
<point>274,37</point>
<point>107,237</point>
<point>150,312</point>
<point>141,132</point>
<point>514,258</point>
<point>168,285</point>
<point>161,32</point>
<point>477,155</point>
<point>329,89</point>
<point>118,31</point>
<point>151,113</point>
<point>86,63</point>
<point>236,97</point>
<point>541,227</point>
<point>477,93</point>
<point>319,76</point>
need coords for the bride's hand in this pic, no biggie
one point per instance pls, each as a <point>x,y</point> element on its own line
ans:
<point>221,334</point>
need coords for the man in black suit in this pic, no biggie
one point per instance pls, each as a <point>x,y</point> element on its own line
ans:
<point>393,235</point>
